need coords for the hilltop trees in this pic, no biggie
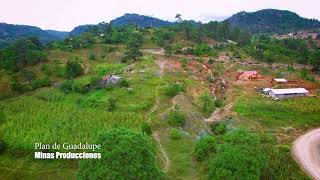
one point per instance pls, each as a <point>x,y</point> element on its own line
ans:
<point>125,154</point>
<point>220,31</point>
<point>133,44</point>
<point>178,17</point>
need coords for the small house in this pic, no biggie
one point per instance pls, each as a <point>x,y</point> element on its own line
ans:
<point>287,93</point>
<point>110,79</point>
<point>248,75</point>
<point>279,80</point>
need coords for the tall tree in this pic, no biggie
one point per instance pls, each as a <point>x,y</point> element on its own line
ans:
<point>133,44</point>
<point>125,154</point>
<point>179,18</point>
<point>73,69</point>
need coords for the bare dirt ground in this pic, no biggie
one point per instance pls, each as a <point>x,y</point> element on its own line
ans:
<point>306,151</point>
<point>220,113</point>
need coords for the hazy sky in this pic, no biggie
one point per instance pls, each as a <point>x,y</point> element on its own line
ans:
<point>66,14</point>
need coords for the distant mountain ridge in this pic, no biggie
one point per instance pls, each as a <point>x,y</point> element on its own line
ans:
<point>272,21</point>
<point>11,32</point>
<point>262,21</point>
<point>58,34</point>
<point>139,20</point>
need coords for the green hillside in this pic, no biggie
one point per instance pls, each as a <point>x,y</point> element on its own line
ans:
<point>272,21</point>
<point>163,102</point>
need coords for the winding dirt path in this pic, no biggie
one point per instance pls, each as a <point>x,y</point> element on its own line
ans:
<point>306,151</point>
<point>167,160</point>
<point>156,135</point>
<point>154,107</point>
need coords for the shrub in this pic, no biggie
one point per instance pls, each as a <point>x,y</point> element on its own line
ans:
<point>219,128</point>
<point>66,86</point>
<point>41,82</point>
<point>206,103</point>
<point>112,104</point>
<point>232,162</point>
<point>2,146</point>
<point>218,103</point>
<point>306,75</point>
<point>202,49</point>
<point>125,154</point>
<point>123,83</point>
<point>92,56</point>
<point>175,133</point>
<point>73,69</point>
<point>173,90</point>
<point>79,87</point>
<point>204,148</point>
<point>177,48</point>
<point>94,82</point>
<point>168,50</point>
<point>19,87</point>
<point>176,118</point>
<point>45,69</point>
<point>146,129</point>
<point>28,75</point>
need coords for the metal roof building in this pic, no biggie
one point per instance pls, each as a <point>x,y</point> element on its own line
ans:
<point>280,80</point>
<point>287,93</point>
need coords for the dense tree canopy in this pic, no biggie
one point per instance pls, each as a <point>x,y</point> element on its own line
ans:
<point>23,52</point>
<point>125,155</point>
<point>232,155</point>
<point>277,50</point>
<point>133,44</point>
<point>73,69</point>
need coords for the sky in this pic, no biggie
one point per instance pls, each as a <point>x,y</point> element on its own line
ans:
<point>64,15</point>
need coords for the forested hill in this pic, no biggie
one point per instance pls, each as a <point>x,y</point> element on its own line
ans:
<point>11,32</point>
<point>139,20</point>
<point>272,21</point>
<point>81,29</point>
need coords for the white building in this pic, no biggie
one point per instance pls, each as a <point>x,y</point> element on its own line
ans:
<point>280,80</point>
<point>287,93</point>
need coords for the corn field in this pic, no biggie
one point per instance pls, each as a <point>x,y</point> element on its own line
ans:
<point>28,120</point>
<point>297,105</point>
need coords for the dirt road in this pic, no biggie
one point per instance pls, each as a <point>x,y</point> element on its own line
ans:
<point>306,151</point>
